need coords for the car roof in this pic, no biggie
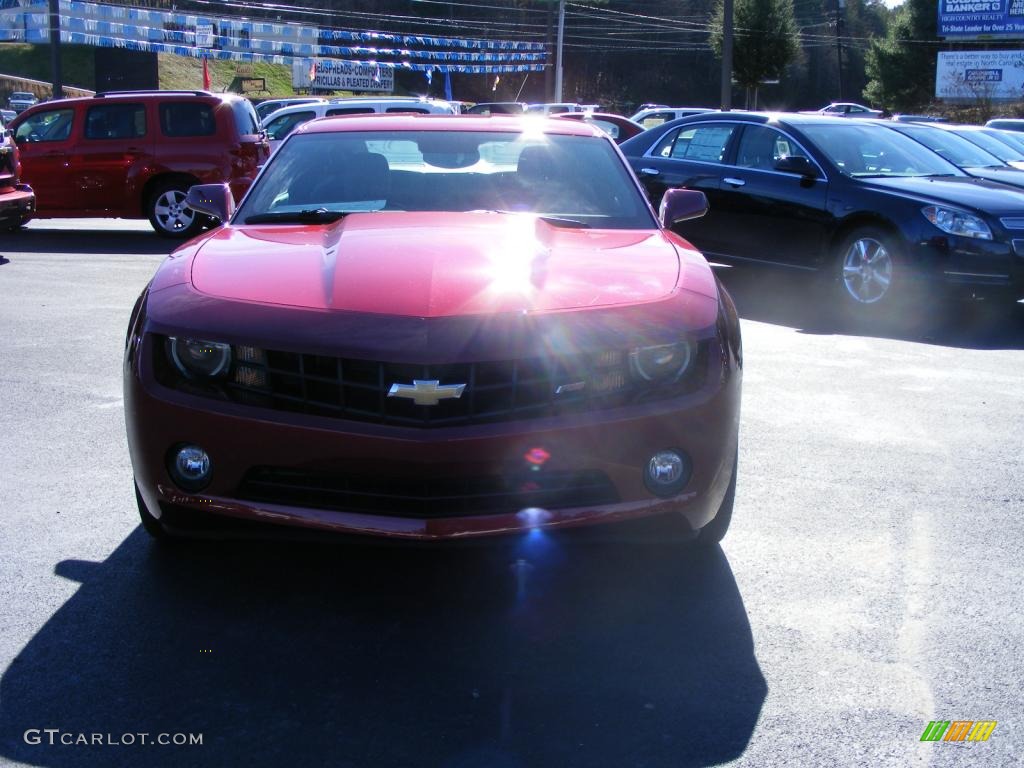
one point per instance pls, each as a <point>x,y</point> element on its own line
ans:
<point>411,122</point>
<point>787,118</point>
<point>385,100</point>
<point>141,95</point>
<point>323,106</point>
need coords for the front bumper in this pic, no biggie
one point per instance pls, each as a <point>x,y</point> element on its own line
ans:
<point>976,267</point>
<point>16,203</point>
<point>615,444</point>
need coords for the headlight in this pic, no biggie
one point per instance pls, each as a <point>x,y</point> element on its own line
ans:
<point>197,359</point>
<point>957,222</point>
<point>665,362</point>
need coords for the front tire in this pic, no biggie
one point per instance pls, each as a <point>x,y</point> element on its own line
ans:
<point>712,534</point>
<point>151,525</point>
<point>871,271</point>
<point>169,215</point>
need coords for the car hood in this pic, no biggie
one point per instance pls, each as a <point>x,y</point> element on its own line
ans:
<point>965,191</point>
<point>1003,174</point>
<point>434,265</point>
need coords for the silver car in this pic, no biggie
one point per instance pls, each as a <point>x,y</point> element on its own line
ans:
<point>19,101</point>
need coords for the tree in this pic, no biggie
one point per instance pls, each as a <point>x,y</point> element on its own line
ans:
<point>901,66</point>
<point>766,39</point>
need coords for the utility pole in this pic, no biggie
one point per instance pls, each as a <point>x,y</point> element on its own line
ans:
<point>727,35</point>
<point>840,12</point>
<point>549,74</point>
<point>561,38</point>
<point>58,84</point>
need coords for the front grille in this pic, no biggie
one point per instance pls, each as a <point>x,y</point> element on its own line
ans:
<point>427,497</point>
<point>504,390</point>
<point>1013,222</point>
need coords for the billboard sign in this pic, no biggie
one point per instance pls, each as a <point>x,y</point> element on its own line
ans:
<point>980,75</point>
<point>981,18</point>
<point>337,75</point>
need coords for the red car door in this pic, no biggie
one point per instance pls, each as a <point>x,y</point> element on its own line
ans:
<point>111,156</point>
<point>45,140</point>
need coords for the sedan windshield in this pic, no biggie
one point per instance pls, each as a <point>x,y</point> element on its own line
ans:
<point>1010,138</point>
<point>1000,149</point>
<point>572,180</point>
<point>956,149</point>
<point>866,150</point>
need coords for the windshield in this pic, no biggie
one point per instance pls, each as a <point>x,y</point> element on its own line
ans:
<point>954,148</point>
<point>867,150</point>
<point>1004,152</point>
<point>1010,138</point>
<point>575,179</point>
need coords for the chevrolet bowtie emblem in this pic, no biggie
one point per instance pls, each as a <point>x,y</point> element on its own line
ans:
<point>426,392</point>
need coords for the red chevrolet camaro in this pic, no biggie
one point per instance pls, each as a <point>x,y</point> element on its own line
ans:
<point>436,328</point>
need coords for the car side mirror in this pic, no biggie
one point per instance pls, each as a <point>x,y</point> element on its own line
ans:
<point>797,164</point>
<point>681,205</point>
<point>213,200</point>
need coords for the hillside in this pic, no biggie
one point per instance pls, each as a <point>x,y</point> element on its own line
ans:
<point>33,61</point>
<point>176,72</point>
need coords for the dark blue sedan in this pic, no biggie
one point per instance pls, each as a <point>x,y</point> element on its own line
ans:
<point>884,219</point>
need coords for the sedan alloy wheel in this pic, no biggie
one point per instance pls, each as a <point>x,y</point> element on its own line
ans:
<point>867,270</point>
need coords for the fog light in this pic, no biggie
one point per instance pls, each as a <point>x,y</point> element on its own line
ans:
<point>667,473</point>
<point>190,467</point>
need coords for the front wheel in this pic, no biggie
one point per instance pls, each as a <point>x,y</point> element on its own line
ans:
<point>168,213</point>
<point>150,524</point>
<point>873,280</point>
<point>867,267</point>
<point>713,533</point>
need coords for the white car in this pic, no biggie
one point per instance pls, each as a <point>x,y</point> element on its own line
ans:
<point>284,121</point>
<point>266,108</point>
<point>845,109</point>
<point>653,116</point>
<point>559,108</point>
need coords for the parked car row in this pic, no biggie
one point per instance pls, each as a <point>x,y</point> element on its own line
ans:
<point>884,218</point>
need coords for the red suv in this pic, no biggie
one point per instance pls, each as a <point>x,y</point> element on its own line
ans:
<point>16,200</point>
<point>134,154</point>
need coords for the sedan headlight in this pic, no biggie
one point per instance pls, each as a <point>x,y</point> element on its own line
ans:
<point>662,363</point>
<point>198,359</point>
<point>957,222</point>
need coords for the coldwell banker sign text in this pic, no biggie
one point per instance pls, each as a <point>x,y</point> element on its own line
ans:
<point>980,75</point>
<point>981,18</point>
<point>337,75</point>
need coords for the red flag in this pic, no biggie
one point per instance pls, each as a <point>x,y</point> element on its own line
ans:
<point>206,76</point>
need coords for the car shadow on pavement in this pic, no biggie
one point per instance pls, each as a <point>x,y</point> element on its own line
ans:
<point>49,241</point>
<point>798,300</point>
<point>540,652</point>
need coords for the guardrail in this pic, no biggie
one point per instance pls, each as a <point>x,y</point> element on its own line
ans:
<point>40,88</point>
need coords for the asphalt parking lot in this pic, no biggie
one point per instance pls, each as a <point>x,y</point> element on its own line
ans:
<point>870,583</point>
